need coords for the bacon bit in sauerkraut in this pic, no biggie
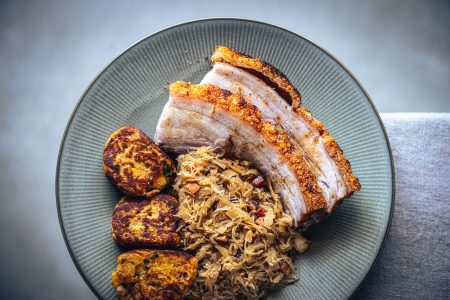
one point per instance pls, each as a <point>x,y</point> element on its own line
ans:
<point>258,181</point>
<point>240,233</point>
<point>192,188</point>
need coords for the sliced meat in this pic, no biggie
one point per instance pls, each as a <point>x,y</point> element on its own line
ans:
<point>308,135</point>
<point>263,70</point>
<point>204,115</point>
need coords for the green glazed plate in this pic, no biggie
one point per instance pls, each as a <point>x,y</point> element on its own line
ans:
<point>133,90</point>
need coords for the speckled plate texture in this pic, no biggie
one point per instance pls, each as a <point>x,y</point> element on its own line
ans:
<point>133,90</point>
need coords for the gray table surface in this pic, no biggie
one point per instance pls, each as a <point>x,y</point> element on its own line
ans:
<point>415,263</point>
<point>50,50</point>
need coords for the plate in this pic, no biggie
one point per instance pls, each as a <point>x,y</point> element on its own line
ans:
<point>133,90</point>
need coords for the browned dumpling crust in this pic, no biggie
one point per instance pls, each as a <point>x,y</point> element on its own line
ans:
<point>154,274</point>
<point>146,222</point>
<point>135,164</point>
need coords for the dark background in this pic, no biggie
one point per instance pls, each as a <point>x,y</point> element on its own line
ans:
<point>51,50</point>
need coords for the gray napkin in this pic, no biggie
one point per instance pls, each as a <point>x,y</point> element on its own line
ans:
<point>415,262</point>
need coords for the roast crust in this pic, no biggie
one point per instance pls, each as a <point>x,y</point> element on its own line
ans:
<point>333,149</point>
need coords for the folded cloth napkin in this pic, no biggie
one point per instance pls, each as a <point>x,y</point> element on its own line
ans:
<point>415,262</point>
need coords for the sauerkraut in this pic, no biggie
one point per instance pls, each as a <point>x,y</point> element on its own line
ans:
<point>240,234</point>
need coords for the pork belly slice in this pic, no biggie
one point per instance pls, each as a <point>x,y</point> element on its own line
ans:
<point>263,70</point>
<point>205,115</point>
<point>308,135</point>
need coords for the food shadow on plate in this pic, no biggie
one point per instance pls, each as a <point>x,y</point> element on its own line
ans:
<point>326,229</point>
<point>316,231</point>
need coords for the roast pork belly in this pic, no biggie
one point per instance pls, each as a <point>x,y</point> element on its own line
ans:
<point>271,75</point>
<point>205,115</point>
<point>278,101</point>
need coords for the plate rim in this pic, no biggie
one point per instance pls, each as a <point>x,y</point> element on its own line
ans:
<point>121,53</point>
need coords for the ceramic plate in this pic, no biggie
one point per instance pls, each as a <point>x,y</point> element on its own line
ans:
<point>133,90</point>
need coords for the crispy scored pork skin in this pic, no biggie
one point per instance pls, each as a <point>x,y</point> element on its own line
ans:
<point>308,135</point>
<point>265,71</point>
<point>205,115</point>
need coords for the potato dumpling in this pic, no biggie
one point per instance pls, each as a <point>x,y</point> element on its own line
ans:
<point>154,274</point>
<point>146,222</point>
<point>135,164</point>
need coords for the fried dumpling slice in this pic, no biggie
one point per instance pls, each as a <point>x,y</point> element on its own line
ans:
<point>154,274</point>
<point>134,164</point>
<point>148,221</point>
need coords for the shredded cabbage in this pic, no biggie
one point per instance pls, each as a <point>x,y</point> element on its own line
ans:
<point>240,234</point>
